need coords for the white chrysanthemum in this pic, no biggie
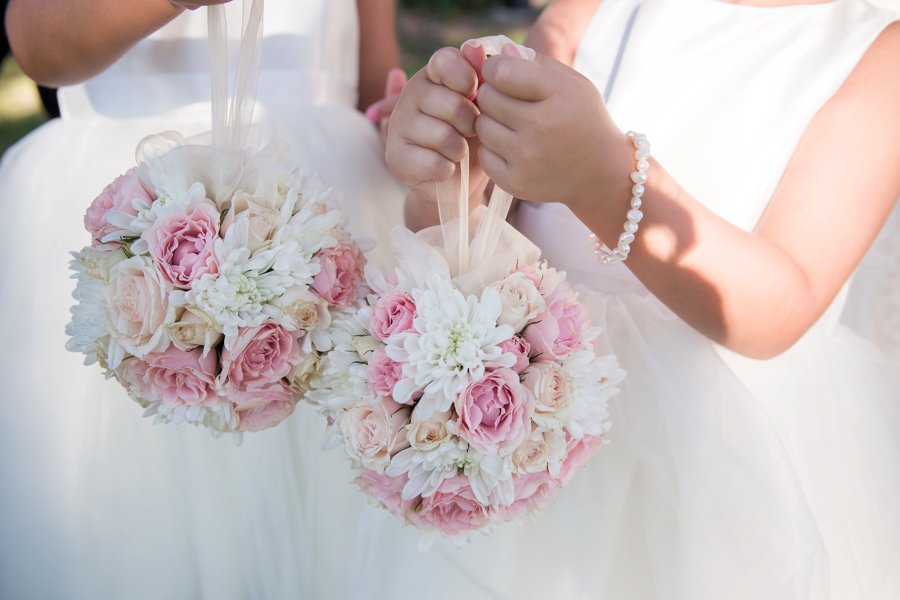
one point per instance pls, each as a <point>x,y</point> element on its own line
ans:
<point>219,418</point>
<point>490,478</point>
<point>239,294</point>
<point>342,378</point>
<point>341,383</point>
<point>453,339</point>
<point>594,381</point>
<point>427,470</point>
<point>307,231</point>
<point>88,329</point>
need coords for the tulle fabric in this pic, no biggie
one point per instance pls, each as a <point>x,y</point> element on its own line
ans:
<point>95,501</point>
<point>725,477</point>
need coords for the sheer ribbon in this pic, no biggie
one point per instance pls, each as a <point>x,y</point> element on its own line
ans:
<point>477,258</point>
<point>218,159</point>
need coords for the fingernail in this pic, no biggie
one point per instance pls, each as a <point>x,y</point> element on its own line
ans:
<point>372,113</point>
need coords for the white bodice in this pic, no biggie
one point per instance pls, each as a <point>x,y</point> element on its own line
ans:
<point>723,91</point>
<point>310,56</point>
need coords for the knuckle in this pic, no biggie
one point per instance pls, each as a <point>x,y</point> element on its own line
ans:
<point>437,166</point>
<point>446,136</point>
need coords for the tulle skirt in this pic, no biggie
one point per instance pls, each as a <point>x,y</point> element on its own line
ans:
<point>97,502</point>
<point>724,478</point>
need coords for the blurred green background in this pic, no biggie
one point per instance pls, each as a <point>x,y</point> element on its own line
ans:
<point>422,25</point>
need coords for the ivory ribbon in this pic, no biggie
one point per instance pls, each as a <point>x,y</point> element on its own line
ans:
<point>231,116</point>
<point>453,197</point>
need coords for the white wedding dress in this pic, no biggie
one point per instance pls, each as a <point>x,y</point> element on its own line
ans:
<point>95,501</point>
<point>726,478</point>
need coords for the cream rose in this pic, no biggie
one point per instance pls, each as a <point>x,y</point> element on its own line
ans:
<point>521,301</point>
<point>544,450</point>
<point>303,310</point>
<point>426,436</point>
<point>138,301</point>
<point>552,389</point>
<point>374,432</point>
<point>264,220</point>
<point>304,372</point>
<point>193,328</point>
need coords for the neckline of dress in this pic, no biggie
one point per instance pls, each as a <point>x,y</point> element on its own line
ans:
<point>784,7</point>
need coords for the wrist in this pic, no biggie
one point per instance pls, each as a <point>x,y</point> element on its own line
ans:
<point>607,184</point>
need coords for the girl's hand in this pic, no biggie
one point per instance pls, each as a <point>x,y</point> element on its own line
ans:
<point>431,123</point>
<point>545,132</point>
<point>380,112</point>
<point>195,4</point>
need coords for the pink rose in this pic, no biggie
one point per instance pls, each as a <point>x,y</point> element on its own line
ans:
<point>341,273</point>
<point>495,413</point>
<point>174,377</point>
<point>263,408</point>
<point>383,372</point>
<point>183,244</point>
<point>519,348</point>
<point>117,196</point>
<point>532,492</point>
<point>577,454</point>
<point>374,432</point>
<point>452,509</point>
<point>137,299</point>
<point>394,313</point>
<point>558,331</point>
<point>259,357</point>
<point>387,490</point>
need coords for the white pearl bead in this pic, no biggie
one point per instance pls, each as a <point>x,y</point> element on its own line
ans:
<point>636,202</point>
<point>639,177</point>
<point>626,238</point>
<point>638,190</point>
<point>643,165</point>
<point>624,249</point>
<point>642,152</point>
<point>635,215</point>
<point>631,227</point>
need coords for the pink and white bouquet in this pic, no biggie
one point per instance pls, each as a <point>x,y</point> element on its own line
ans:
<point>465,399</point>
<point>209,302</point>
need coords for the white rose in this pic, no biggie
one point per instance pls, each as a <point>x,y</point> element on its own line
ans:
<point>193,328</point>
<point>552,389</point>
<point>373,432</point>
<point>138,303</point>
<point>521,301</point>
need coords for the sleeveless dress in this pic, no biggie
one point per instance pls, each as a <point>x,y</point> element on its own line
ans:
<point>95,501</point>
<point>726,477</point>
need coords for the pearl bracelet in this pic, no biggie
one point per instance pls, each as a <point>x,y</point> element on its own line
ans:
<point>604,254</point>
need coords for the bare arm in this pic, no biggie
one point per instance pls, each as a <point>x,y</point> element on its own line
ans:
<point>559,29</point>
<point>378,52</point>
<point>754,292</point>
<point>60,42</point>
